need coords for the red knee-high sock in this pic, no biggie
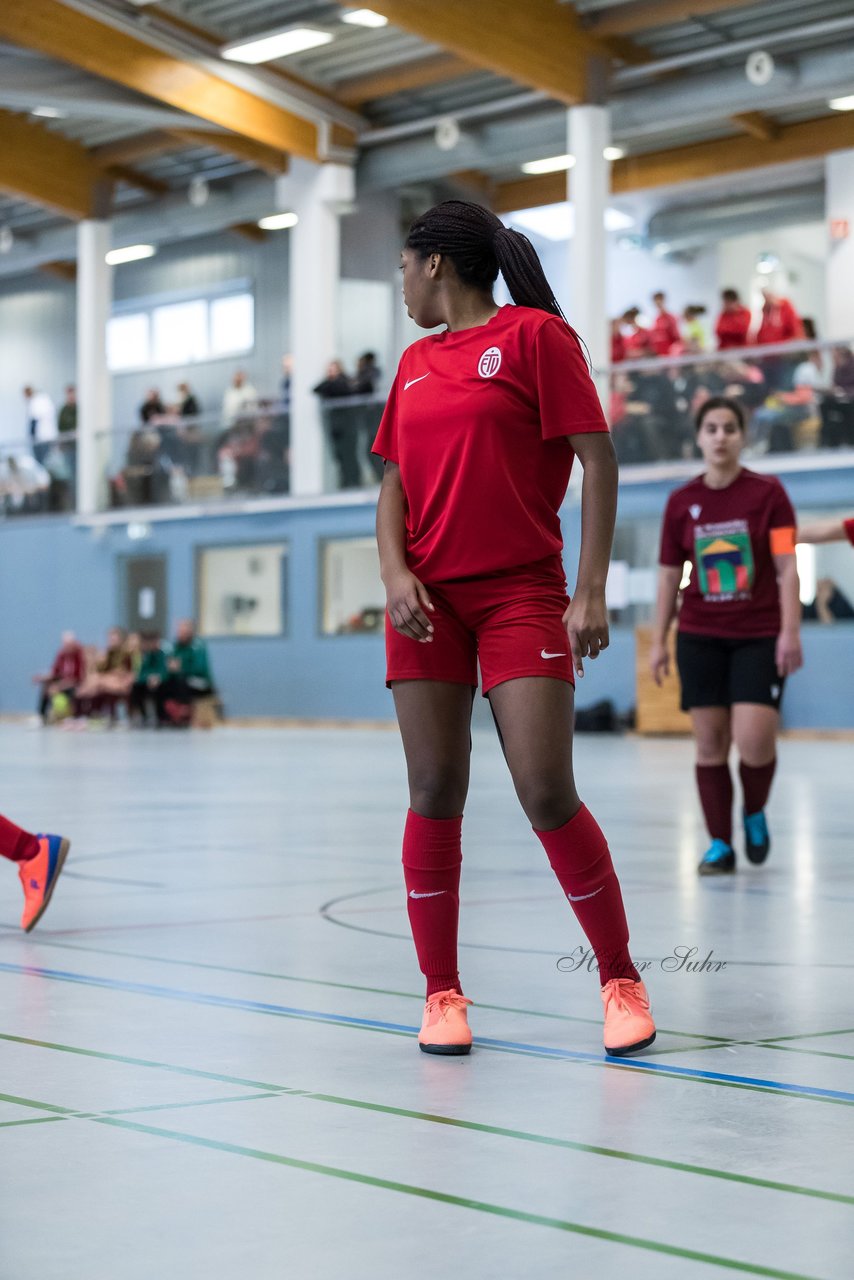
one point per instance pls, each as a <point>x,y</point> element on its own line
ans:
<point>756,784</point>
<point>579,856</point>
<point>714,783</point>
<point>432,856</point>
<point>16,843</point>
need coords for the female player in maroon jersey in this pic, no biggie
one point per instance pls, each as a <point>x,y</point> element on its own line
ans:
<point>739,625</point>
<point>478,437</point>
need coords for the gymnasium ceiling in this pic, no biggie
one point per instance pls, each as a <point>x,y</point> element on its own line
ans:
<point>140,103</point>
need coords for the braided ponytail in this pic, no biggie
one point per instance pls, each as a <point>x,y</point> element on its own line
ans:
<point>479,245</point>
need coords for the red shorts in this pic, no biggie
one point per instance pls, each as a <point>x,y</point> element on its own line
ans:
<point>510,621</point>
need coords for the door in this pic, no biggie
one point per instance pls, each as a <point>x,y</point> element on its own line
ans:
<point>146,607</point>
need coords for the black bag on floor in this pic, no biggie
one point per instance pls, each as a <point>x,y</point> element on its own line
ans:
<point>601,717</point>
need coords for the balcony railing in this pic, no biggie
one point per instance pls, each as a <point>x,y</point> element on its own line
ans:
<point>796,397</point>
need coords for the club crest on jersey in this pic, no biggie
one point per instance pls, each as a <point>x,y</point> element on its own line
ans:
<point>489,363</point>
<point>695,511</point>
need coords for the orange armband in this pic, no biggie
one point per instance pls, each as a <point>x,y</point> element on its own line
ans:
<point>783,542</point>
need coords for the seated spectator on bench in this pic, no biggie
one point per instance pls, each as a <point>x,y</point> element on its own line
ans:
<point>189,675</point>
<point>65,676</point>
<point>153,671</point>
<point>111,680</point>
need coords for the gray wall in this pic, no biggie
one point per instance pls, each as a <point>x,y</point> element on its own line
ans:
<point>37,327</point>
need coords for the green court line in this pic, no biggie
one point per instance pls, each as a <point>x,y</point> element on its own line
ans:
<point>807,1035</point>
<point>203,1102</point>
<point>759,1044</point>
<point>462,1202</point>
<point>519,1135</point>
<point>349,986</point>
<point>38,1106</point>
<point>12,1124</point>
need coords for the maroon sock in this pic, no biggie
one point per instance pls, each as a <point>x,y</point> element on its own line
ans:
<point>714,783</point>
<point>579,856</point>
<point>756,784</point>
<point>432,856</point>
<point>15,843</point>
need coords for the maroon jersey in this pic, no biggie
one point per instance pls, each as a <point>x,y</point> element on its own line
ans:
<point>726,534</point>
<point>849,529</point>
<point>478,422</point>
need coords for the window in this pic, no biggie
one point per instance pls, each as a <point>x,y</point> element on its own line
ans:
<point>241,590</point>
<point>353,596</point>
<point>180,333</point>
<point>128,342</point>
<point>232,322</point>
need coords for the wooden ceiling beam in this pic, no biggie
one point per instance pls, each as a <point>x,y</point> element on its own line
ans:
<point>678,166</point>
<point>54,29</point>
<point>261,157</point>
<point>757,124</point>
<point>45,168</point>
<point>61,269</point>
<point>646,15</point>
<point>411,75</point>
<point>249,231</point>
<point>142,181</point>
<point>538,43</point>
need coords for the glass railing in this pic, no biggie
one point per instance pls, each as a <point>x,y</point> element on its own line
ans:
<point>37,478</point>
<point>796,397</point>
<point>170,461</point>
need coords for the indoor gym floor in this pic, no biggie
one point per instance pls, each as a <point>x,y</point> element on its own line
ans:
<point>208,1057</point>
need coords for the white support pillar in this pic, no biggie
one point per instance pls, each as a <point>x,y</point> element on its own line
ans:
<point>839,301</point>
<point>317,194</point>
<point>589,182</point>
<point>94,295</point>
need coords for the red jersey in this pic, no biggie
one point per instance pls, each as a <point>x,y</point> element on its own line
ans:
<point>637,344</point>
<point>664,334</point>
<point>727,535</point>
<point>732,328</point>
<point>849,529</point>
<point>478,422</point>
<point>69,664</point>
<point>780,323</point>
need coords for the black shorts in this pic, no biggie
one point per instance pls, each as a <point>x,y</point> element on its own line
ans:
<point>717,671</point>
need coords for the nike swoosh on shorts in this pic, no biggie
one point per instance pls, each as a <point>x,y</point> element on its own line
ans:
<point>543,654</point>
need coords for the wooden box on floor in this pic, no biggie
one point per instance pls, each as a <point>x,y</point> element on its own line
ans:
<point>204,713</point>
<point>657,708</point>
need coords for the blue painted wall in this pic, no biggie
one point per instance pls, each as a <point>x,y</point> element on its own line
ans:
<point>55,575</point>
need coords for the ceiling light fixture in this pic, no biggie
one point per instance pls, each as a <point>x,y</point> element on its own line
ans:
<point>842,104</point>
<point>551,164</point>
<point>132,253</point>
<point>613,153</point>
<point>278,222</point>
<point>48,113</point>
<point>364,18</point>
<point>275,44</point>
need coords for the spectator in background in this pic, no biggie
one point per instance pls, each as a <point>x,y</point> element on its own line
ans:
<point>152,406</point>
<point>366,383</point>
<point>153,670</point>
<point>68,412</point>
<point>733,323</point>
<point>342,429</point>
<point>637,340</point>
<point>188,402</point>
<point>780,321</point>
<point>285,384</point>
<point>188,676</point>
<point>65,676</point>
<point>239,399</point>
<point>664,334</point>
<point>618,343</point>
<point>695,333</point>
<point>41,421</point>
<point>843,371</point>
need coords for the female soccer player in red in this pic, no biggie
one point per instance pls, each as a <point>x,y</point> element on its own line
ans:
<point>827,531</point>
<point>479,435</point>
<point>40,860</point>
<point>739,624</point>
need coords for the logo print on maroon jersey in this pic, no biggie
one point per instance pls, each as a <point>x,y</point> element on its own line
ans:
<point>489,363</point>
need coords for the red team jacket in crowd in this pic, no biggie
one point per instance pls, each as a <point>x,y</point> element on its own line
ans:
<point>780,323</point>
<point>732,328</point>
<point>664,334</point>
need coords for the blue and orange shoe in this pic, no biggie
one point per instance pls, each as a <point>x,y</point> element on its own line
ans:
<point>757,838</point>
<point>39,876</point>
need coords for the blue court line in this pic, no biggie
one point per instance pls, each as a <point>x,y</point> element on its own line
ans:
<point>399,1028</point>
